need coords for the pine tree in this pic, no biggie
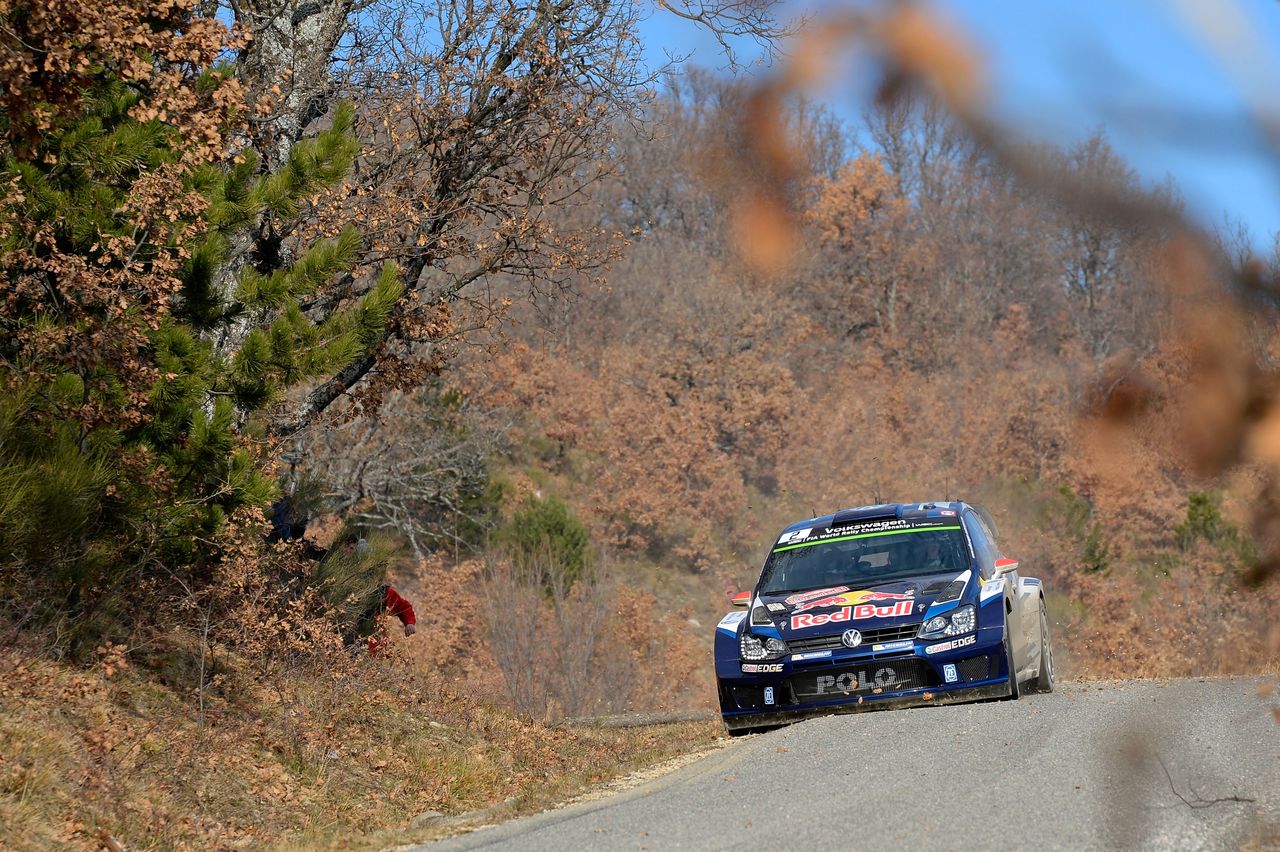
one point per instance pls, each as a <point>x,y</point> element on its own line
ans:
<point>127,436</point>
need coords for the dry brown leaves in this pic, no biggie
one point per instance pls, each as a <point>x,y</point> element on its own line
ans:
<point>1228,410</point>
<point>917,48</point>
<point>51,52</point>
<point>110,297</point>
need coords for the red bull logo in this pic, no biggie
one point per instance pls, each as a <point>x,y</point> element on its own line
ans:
<point>851,613</point>
<point>852,599</point>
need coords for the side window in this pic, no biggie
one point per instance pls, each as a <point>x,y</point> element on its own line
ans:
<point>982,546</point>
<point>991,539</point>
<point>989,529</point>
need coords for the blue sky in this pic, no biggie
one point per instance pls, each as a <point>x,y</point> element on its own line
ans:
<point>1144,70</point>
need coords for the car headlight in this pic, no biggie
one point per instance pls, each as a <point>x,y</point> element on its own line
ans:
<point>962,619</point>
<point>761,648</point>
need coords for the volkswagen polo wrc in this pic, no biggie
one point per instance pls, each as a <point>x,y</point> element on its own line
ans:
<point>879,606</point>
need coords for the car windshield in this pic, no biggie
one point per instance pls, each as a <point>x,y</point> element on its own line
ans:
<point>863,556</point>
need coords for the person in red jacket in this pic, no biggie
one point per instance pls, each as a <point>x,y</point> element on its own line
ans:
<point>394,604</point>
<point>388,601</point>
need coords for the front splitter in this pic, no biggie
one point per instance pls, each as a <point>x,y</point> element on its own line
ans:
<point>922,699</point>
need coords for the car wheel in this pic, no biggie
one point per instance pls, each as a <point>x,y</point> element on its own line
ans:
<point>1044,680</point>
<point>1015,690</point>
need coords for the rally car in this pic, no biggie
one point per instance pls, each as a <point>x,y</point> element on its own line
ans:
<point>888,605</point>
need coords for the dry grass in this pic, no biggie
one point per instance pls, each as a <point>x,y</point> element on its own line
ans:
<point>300,763</point>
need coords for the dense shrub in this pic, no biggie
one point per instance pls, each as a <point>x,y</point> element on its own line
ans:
<point>1205,522</point>
<point>545,531</point>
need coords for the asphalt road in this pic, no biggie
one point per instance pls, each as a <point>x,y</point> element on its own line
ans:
<point>1084,767</point>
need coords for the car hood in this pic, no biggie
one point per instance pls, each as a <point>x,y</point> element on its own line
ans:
<point>834,609</point>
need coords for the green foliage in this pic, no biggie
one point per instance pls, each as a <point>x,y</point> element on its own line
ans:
<point>1059,511</point>
<point>79,179</point>
<point>546,530</point>
<point>1205,522</point>
<point>52,493</point>
<point>349,580</point>
<point>1076,514</point>
<point>312,165</point>
<point>264,293</point>
<point>126,461</point>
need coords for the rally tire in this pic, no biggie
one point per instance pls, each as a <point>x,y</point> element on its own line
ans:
<point>1044,679</point>
<point>1015,689</point>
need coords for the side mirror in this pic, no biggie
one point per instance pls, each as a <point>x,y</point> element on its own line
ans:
<point>742,599</point>
<point>1005,566</point>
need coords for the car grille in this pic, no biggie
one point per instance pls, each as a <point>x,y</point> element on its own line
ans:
<point>974,668</point>
<point>747,697</point>
<point>869,679</point>
<point>869,637</point>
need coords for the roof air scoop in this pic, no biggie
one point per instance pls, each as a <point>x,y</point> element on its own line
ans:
<point>864,513</point>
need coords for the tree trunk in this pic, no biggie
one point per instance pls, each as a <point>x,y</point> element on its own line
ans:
<point>286,61</point>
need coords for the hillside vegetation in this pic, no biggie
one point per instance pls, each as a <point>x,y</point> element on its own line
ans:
<point>945,331</point>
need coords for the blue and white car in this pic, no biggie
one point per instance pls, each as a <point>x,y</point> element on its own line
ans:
<point>888,605</point>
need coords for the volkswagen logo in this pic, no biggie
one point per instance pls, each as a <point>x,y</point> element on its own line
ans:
<point>851,638</point>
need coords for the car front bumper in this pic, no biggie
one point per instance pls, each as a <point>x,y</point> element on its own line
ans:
<point>855,682</point>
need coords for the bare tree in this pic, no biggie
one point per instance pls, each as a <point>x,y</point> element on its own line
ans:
<point>475,120</point>
<point>419,469</point>
<point>1103,255</point>
<point>549,638</point>
<point>512,608</point>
